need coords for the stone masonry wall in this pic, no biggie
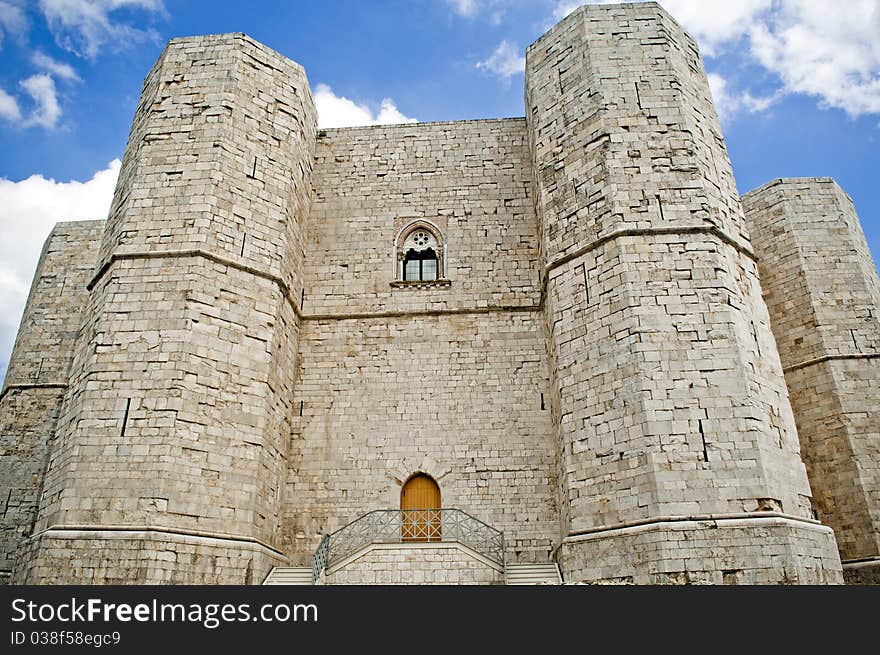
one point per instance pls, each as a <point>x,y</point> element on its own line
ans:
<point>470,178</point>
<point>415,564</point>
<point>143,557</point>
<point>180,401</point>
<point>445,380</point>
<point>233,370</point>
<point>668,395</point>
<point>37,375</point>
<point>823,293</point>
<point>754,550</point>
<point>457,397</point>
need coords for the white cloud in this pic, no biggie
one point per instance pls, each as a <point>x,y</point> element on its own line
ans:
<point>466,8</point>
<point>84,27</point>
<point>45,111</point>
<point>824,50</point>
<point>504,61</point>
<point>12,20</point>
<point>41,88</point>
<point>494,10</point>
<point>565,7</point>
<point>725,104</point>
<point>62,70</point>
<point>729,103</point>
<point>496,16</point>
<point>9,107</point>
<point>339,111</point>
<point>713,24</point>
<point>28,211</point>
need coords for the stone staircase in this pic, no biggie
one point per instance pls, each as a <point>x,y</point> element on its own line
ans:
<point>517,574</point>
<point>289,575</point>
<point>527,574</point>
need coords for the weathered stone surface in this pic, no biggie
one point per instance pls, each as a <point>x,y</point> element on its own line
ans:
<point>457,397</point>
<point>143,557</point>
<point>444,380</point>
<point>470,178</point>
<point>667,391</point>
<point>240,369</point>
<point>180,400</point>
<point>37,376</point>
<point>823,293</point>
<point>748,550</point>
<point>415,564</point>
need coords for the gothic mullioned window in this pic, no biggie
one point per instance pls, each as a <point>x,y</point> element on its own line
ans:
<point>421,264</point>
<point>420,256</point>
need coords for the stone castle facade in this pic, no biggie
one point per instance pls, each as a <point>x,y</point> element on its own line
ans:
<point>569,326</point>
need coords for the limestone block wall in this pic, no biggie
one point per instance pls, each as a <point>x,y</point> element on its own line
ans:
<point>140,556</point>
<point>229,125</point>
<point>668,395</point>
<point>752,550</point>
<point>37,375</point>
<point>457,397</point>
<point>444,380</point>
<point>469,178</point>
<point>392,564</point>
<point>227,369</point>
<point>823,293</point>
<point>177,417</point>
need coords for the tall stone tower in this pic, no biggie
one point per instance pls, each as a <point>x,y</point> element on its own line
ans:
<point>677,449</point>
<point>171,447</point>
<point>36,379</point>
<point>822,290</point>
<point>553,325</point>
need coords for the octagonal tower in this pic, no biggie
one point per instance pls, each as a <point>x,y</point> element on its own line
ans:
<point>171,449</point>
<point>678,454</point>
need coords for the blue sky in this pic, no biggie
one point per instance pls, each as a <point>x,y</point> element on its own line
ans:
<point>797,84</point>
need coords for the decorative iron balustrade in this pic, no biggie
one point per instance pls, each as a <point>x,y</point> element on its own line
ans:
<point>409,525</point>
<point>319,559</point>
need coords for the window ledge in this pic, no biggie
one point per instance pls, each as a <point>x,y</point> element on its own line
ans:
<point>421,284</point>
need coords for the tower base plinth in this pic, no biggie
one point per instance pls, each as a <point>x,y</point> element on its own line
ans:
<point>142,555</point>
<point>750,549</point>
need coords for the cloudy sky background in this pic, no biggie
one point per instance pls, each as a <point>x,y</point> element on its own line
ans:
<point>796,82</point>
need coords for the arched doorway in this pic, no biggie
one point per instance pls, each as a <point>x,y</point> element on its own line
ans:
<point>420,509</point>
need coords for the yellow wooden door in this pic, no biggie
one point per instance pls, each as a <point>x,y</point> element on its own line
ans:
<point>420,505</point>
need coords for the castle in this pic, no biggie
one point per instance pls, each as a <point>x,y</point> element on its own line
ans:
<point>447,352</point>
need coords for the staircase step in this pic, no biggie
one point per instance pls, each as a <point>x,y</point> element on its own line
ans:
<point>524,583</point>
<point>533,574</point>
<point>289,575</point>
<point>552,574</point>
<point>532,571</point>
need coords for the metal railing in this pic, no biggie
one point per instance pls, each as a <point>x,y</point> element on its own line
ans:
<point>319,559</point>
<point>409,525</point>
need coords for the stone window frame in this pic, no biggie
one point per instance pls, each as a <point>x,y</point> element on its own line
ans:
<point>400,249</point>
